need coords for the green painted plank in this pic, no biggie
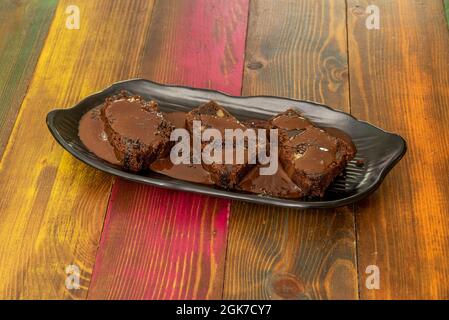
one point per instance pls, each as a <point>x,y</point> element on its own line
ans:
<point>446,8</point>
<point>23,28</point>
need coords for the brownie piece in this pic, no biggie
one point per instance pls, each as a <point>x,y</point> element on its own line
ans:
<point>348,144</point>
<point>258,124</point>
<point>137,131</point>
<point>291,123</point>
<point>311,156</point>
<point>214,116</point>
<point>176,118</point>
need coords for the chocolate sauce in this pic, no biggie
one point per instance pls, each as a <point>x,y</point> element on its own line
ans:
<point>278,184</point>
<point>258,124</point>
<point>220,123</point>
<point>315,137</point>
<point>187,172</point>
<point>131,118</point>
<point>177,118</point>
<point>289,122</point>
<point>315,160</point>
<point>341,135</point>
<point>313,151</point>
<point>91,133</point>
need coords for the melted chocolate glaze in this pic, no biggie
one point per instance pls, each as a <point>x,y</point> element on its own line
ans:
<point>341,135</point>
<point>92,134</point>
<point>291,121</point>
<point>221,124</point>
<point>187,172</point>
<point>315,150</point>
<point>278,184</point>
<point>177,118</point>
<point>130,118</point>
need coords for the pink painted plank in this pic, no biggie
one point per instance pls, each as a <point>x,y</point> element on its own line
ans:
<point>162,244</point>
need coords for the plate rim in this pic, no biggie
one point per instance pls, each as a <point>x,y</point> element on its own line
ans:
<point>195,188</point>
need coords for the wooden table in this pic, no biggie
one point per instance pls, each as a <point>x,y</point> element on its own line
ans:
<point>135,241</point>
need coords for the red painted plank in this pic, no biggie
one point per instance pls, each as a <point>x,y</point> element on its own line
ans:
<point>162,244</point>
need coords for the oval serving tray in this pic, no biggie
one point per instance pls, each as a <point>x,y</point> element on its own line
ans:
<point>378,150</point>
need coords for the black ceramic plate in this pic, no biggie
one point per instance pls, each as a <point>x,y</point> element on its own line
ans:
<point>379,150</point>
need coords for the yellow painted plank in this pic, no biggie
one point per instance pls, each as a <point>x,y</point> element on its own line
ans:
<point>52,207</point>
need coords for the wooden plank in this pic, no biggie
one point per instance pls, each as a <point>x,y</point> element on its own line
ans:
<point>294,49</point>
<point>400,82</point>
<point>446,8</point>
<point>23,27</point>
<point>162,244</point>
<point>52,206</point>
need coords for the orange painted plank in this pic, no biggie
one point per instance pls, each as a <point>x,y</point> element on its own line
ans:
<point>162,244</point>
<point>400,82</point>
<point>52,206</point>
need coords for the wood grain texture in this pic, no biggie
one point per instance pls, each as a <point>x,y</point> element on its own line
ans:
<point>446,8</point>
<point>162,244</point>
<point>53,207</point>
<point>23,27</point>
<point>295,49</point>
<point>400,82</point>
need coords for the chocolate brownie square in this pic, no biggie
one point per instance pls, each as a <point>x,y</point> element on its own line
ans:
<point>311,156</point>
<point>214,116</point>
<point>137,131</point>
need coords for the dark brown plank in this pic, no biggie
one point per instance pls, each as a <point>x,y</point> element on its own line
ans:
<point>294,49</point>
<point>23,28</point>
<point>400,82</point>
